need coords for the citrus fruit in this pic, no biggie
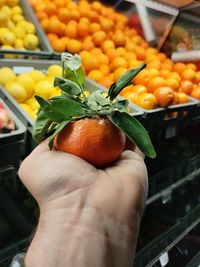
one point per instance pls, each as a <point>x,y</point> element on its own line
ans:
<point>147,101</point>
<point>188,74</point>
<point>196,92</point>
<point>99,141</point>
<point>27,82</point>
<point>44,88</point>
<point>37,75</point>
<point>31,41</point>
<point>154,83</point>
<point>6,75</point>
<point>164,96</point>
<point>32,103</point>
<point>17,91</point>
<point>54,70</point>
<point>186,87</point>
<point>183,98</point>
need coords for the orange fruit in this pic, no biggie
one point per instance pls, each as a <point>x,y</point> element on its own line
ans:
<point>106,82</point>
<point>41,15</point>
<point>176,99</point>
<point>58,45</point>
<point>128,88</point>
<point>173,83</point>
<point>183,98</point>
<point>154,64</point>
<point>93,16</point>
<point>186,87</point>
<point>130,46</point>
<point>59,3</point>
<point>54,26</point>
<point>71,31</point>
<point>119,72</point>
<point>154,83</point>
<point>98,37</point>
<point>166,66</point>
<point>174,75</point>
<point>99,141</point>
<point>140,53</point>
<point>84,20</point>
<point>104,69</point>
<point>196,92</point>
<point>97,6</point>
<point>164,73</point>
<point>142,77</point>
<point>64,15</point>
<point>161,56</point>
<point>112,54</point>
<point>52,37</point>
<point>90,63</point>
<point>103,59</point>
<point>65,41</point>
<point>118,62</point>
<point>44,23</point>
<point>83,30</point>
<point>164,96</point>
<point>147,101</point>
<point>132,63</point>
<point>94,27</point>
<point>106,24</point>
<point>130,55</point>
<point>179,67</point>
<point>132,96</point>
<point>136,40</point>
<point>75,15</point>
<point>119,39</point>
<point>121,51</point>
<point>74,46</point>
<point>191,66</point>
<point>153,72</point>
<point>50,9</point>
<point>197,79</point>
<point>87,45</point>
<point>188,74</point>
<point>107,45</point>
<point>149,58</point>
<point>139,89</point>
<point>95,75</point>
<point>71,6</point>
<point>96,51</point>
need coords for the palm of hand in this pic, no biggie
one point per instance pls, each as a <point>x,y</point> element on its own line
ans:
<point>60,179</point>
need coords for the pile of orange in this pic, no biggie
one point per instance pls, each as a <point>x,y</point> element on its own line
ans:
<point>109,47</point>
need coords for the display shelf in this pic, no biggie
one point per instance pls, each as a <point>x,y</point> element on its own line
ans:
<point>151,253</point>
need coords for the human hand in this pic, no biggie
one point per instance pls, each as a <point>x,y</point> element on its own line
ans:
<point>73,193</point>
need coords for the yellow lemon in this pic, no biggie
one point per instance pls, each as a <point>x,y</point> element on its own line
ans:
<point>37,75</point>
<point>27,82</point>
<point>8,38</point>
<point>19,32</point>
<point>16,10</point>
<point>54,70</point>
<point>44,88</point>
<point>29,27</point>
<point>26,107</point>
<point>10,25</point>
<point>17,91</point>
<point>12,3</point>
<point>21,24</point>
<point>55,92</point>
<point>17,18</point>
<point>19,44</point>
<point>2,31</point>
<point>32,102</point>
<point>7,9</point>
<point>31,41</point>
<point>3,18</point>
<point>33,115</point>
<point>6,75</point>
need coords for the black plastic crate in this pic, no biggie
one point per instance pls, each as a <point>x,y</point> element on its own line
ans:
<point>195,262</point>
<point>11,144</point>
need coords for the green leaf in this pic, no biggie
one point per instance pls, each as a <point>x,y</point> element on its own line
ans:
<point>40,127</point>
<point>135,131</point>
<point>54,115</point>
<point>121,105</point>
<point>124,81</point>
<point>42,102</point>
<point>96,99</point>
<point>68,107</point>
<point>67,86</point>
<point>77,76</point>
<point>58,128</point>
<point>72,62</point>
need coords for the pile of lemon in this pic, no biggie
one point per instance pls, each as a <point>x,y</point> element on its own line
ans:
<point>15,31</point>
<point>24,86</point>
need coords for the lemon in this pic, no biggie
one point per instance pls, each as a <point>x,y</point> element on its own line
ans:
<point>33,115</point>
<point>26,107</point>
<point>8,38</point>
<point>2,31</point>
<point>6,75</point>
<point>31,41</point>
<point>7,9</point>
<point>8,47</point>
<point>19,44</point>
<point>44,88</point>
<point>12,3</point>
<point>32,102</point>
<point>16,10</point>
<point>10,25</point>
<point>19,32</point>
<point>21,24</point>
<point>17,91</point>
<point>54,70</point>
<point>2,3</point>
<point>55,92</point>
<point>37,75</point>
<point>17,18</point>
<point>27,82</point>
<point>29,27</point>
<point>3,18</point>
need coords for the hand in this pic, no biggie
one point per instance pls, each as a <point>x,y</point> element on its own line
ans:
<point>72,193</point>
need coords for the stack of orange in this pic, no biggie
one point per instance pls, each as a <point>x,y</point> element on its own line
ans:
<point>109,47</point>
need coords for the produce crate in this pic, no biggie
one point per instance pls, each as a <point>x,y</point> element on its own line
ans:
<point>46,50</point>
<point>150,254</point>
<point>23,65</point>
<point>11,144</point>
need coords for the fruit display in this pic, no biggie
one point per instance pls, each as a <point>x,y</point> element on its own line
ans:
<point>98,123</point>
<point>16,32</point>
<point>24,86</point>
<point>109,46</point>
<point>6,122</point>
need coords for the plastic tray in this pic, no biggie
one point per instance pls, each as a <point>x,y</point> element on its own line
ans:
<point>150,254</point>
<point>46,50</point>
<point>11,143</point>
